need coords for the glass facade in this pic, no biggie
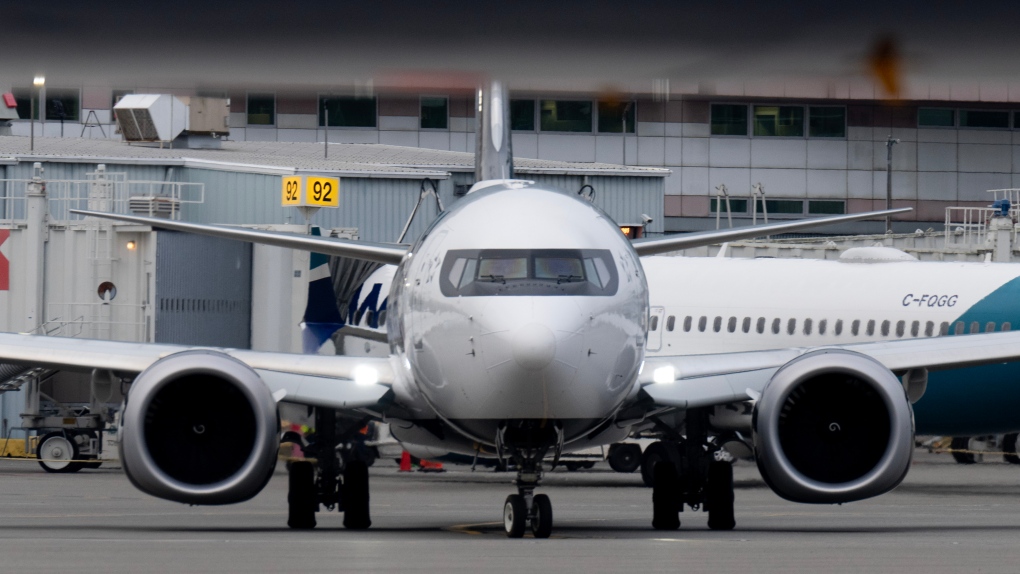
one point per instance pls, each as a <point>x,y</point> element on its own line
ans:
<point>781,121</point>
<point>729,120</point>
<point>566,116</point>
<point>348,111</point>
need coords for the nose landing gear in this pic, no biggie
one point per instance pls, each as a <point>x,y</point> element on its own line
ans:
<point>526,509</point>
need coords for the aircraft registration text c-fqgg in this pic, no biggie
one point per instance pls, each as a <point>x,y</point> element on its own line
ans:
<point>518,328</point>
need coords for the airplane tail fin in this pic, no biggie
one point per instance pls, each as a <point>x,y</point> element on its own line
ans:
<point>322,317</point>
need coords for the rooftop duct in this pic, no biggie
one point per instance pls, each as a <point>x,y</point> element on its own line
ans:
<point>151,117</point>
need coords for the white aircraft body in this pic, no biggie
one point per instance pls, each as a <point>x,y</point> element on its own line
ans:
<point>517,324</point>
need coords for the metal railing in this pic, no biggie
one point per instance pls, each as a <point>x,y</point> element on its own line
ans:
<point>966,226</point>
<point>101,191</point>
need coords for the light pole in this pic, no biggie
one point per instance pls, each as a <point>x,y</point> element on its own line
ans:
<point>37,84</point>
<point>888,180</point>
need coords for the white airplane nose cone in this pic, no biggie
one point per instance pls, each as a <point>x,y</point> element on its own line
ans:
<point>534,346</point>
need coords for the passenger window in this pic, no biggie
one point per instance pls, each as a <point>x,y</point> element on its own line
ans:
<point>929,329</point>
<point>687,324</point>
<point>839,327</point>
<point>821,327</point>
<point>1006,326</point>
<point>975,327</point>
<point>959,328</point>
<point>775,325</point>
<point>901,328</point>
<point>885,328</point>
<point>717,324</point>
<point>944,328</point>
<point>747,325</point>
<point>670,323</point>
<point>731,325</point>
<point>382,318</point>
<point>990,327</point>
<point>702,322</point>
<point>791,326</point>
<point>855,327</point>
<point>871,328</point>
<point>807,326</point>
<point>761,325</point>
<point>654,326</point>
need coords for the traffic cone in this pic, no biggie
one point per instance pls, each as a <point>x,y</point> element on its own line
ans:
<point>405,462</point>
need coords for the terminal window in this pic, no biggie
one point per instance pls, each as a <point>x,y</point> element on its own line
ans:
<point>348,111</point>
<point>522,115</point>
<point>983,119</point>
<point>936,117</point>
<point>23,97</point>
<point>736,205</point>
<point>62,104</point>
<point>566,116</point>
<point>782,206</point>
<point>261,109</point>
<point>826,207</point>
<point>827,121</point>
<point>434,112</point>
<point>615,116</point>
<point>729,120</point>
<point>779,121</point>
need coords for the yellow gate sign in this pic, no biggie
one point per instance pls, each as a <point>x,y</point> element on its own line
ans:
<point>322,191</point>
<point>302,191</point>
<point>292,190</point>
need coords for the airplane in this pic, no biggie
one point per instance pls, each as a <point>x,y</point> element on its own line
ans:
<point>517,322</point>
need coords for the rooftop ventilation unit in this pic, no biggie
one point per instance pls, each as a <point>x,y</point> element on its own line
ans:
<point>151,117</point>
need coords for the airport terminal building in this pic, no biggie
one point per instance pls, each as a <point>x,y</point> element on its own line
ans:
<point>816,148</point>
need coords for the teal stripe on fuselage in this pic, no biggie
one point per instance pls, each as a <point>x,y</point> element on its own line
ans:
<point>976,400</point>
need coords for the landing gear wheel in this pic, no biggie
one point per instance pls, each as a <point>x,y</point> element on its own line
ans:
<point>515,515</point>
<point>57,453</point>
<point>961,443</point>
<point>1009,448</point>
<point>542,516</point>
<point>665,497</point>
<point>355,498</point>
<point>301,502</point>
<point>653,455</point>
<point>624,457</point>
<point>572,466</point>
<point>719,496</point>
<point>92,465</point>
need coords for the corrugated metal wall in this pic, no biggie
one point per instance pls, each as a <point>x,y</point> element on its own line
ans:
<point>203,290</point>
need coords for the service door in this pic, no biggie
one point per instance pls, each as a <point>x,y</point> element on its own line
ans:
<point>656,323</point>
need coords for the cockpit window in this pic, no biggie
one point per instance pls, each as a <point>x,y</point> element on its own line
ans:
<point>495,272</point>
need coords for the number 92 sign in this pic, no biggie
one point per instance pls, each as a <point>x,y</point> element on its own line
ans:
<point>311,191</point>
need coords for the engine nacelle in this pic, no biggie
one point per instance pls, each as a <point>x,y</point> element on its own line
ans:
<point>200,427</point>
<point>833,426</point>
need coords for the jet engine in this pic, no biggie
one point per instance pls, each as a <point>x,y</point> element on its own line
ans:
<point>199,427</point>
<point>833,426</point>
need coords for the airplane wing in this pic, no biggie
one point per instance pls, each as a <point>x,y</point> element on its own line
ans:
<point>318,380</point>
<point>656,245</point>
<point>703,380</point>
<point>389,253</point>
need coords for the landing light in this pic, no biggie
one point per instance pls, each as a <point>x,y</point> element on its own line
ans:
<point>664,375</point>
<point>365,375</point>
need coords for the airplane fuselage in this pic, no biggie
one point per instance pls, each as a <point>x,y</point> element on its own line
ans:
<point>720,305</point>
<point>519,305</point>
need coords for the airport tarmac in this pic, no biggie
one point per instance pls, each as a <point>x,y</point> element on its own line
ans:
<point>944,518</point>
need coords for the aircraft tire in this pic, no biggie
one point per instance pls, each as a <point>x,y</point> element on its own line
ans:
<point>355,499</point>
<point>624,457</point>
<point>719,496</point>
<point>653,455</point>
<point>962,443</point>
<point>1009,449</point>
<point>515,516</point>
<point>542,519</point>
<point>301,504</point>
<point>665,497</point>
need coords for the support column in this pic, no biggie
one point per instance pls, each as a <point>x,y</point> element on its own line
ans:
<point>493,153</point>
<point>35,250</point>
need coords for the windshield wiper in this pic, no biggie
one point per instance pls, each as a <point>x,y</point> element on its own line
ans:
<point>568,279</point>
<point>493,278</point>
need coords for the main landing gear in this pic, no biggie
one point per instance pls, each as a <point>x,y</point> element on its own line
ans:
<point>691,471</point>
<point>320,484</point>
